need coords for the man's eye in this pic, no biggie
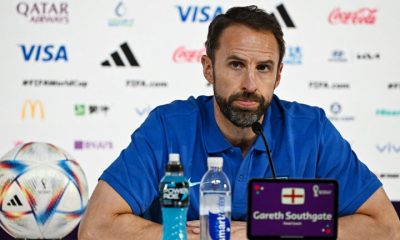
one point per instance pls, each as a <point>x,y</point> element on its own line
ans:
<point>236,65</point>
<point>263,67</point>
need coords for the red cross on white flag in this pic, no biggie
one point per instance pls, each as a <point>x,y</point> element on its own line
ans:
<point>292,196</point>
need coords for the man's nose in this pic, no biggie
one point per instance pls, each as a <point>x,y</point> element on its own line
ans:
<point>249,82</point>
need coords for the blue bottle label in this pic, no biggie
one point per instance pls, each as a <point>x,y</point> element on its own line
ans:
<point>175,194</point>
<point>219,226</point>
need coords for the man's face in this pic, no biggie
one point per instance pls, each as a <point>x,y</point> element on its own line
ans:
<point>244,74</point>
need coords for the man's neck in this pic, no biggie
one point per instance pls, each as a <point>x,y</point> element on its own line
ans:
<point>240,137</point>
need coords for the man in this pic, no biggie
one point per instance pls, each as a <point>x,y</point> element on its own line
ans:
<point>245,48</point>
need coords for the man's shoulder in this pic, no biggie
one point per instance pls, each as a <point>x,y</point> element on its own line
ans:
<point>293,109</point>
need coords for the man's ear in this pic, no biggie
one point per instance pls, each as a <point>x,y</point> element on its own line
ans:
<point>207,69</point>
<point>278,76</point>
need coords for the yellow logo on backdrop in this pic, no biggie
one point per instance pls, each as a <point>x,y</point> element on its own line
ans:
<point>32,106</point>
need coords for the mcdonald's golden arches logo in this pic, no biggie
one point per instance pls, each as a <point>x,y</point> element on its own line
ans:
<point>34,107</point>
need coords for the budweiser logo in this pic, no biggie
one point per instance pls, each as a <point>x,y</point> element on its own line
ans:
<point>361,16</point>
<point>185,55</point>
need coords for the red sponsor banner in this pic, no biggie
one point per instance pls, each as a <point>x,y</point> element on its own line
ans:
<point>364,15</point>
<point>183,55</point>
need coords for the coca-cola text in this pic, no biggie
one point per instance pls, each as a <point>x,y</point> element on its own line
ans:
<point>361,16</point>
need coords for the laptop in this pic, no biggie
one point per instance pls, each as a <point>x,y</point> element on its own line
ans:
<point>292,209</point>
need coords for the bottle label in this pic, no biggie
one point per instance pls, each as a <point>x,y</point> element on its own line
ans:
<point>174,194</point>
<point>219,226</point>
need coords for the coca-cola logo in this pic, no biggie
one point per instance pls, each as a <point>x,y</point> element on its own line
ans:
<point>182,54</point>
<point>361,16</point>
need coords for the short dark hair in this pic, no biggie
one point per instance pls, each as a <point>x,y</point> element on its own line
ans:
<point>250,16</point>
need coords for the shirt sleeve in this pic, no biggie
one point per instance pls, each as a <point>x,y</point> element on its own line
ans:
<point>136,173</point>
<point>336,160</point>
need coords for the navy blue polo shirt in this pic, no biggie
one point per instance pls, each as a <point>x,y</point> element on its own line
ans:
<point>303,144</point>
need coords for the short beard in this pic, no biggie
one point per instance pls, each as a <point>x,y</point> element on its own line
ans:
<point>242,118</point>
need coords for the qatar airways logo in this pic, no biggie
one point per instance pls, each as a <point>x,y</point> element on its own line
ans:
<point>185,55</point>
<point>44,12</point>
<point>362,16</point>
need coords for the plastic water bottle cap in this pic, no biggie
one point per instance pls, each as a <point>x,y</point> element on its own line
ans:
<point>174,158</point>
<point>215,162</point>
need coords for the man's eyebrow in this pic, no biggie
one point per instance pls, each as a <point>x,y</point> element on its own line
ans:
<point>267,62</point>
<point>237,58</point>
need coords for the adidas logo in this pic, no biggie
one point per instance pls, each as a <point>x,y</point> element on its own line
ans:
<point>14,201</point>
<point>116,57</point>
<point>285,16</point>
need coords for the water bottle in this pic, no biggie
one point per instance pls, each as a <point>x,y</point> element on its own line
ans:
<point>174,198</point>
<point>215,202</point>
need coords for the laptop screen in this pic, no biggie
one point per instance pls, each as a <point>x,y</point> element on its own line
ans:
<point>292,208</point>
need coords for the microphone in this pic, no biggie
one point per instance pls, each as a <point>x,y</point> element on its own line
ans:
<point>257,129</point>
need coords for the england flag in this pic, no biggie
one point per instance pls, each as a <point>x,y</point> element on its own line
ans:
<point>292,196</point>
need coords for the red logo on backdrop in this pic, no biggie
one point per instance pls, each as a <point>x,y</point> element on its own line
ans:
<point>361,16</point>
<point>187,55</point>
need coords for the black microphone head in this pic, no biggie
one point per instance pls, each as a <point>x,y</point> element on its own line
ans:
<point>257,128</point>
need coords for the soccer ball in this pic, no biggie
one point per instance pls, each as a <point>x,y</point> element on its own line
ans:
<point>43,192</point>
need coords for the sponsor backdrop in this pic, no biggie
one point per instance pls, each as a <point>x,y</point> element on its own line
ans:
<point>83,75</point>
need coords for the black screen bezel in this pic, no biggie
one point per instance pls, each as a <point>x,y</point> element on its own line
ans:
<point>263,180</point>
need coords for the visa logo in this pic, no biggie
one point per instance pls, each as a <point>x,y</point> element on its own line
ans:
<point>198,13</point>
<point>44,53</point>
<point>388,148</point>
